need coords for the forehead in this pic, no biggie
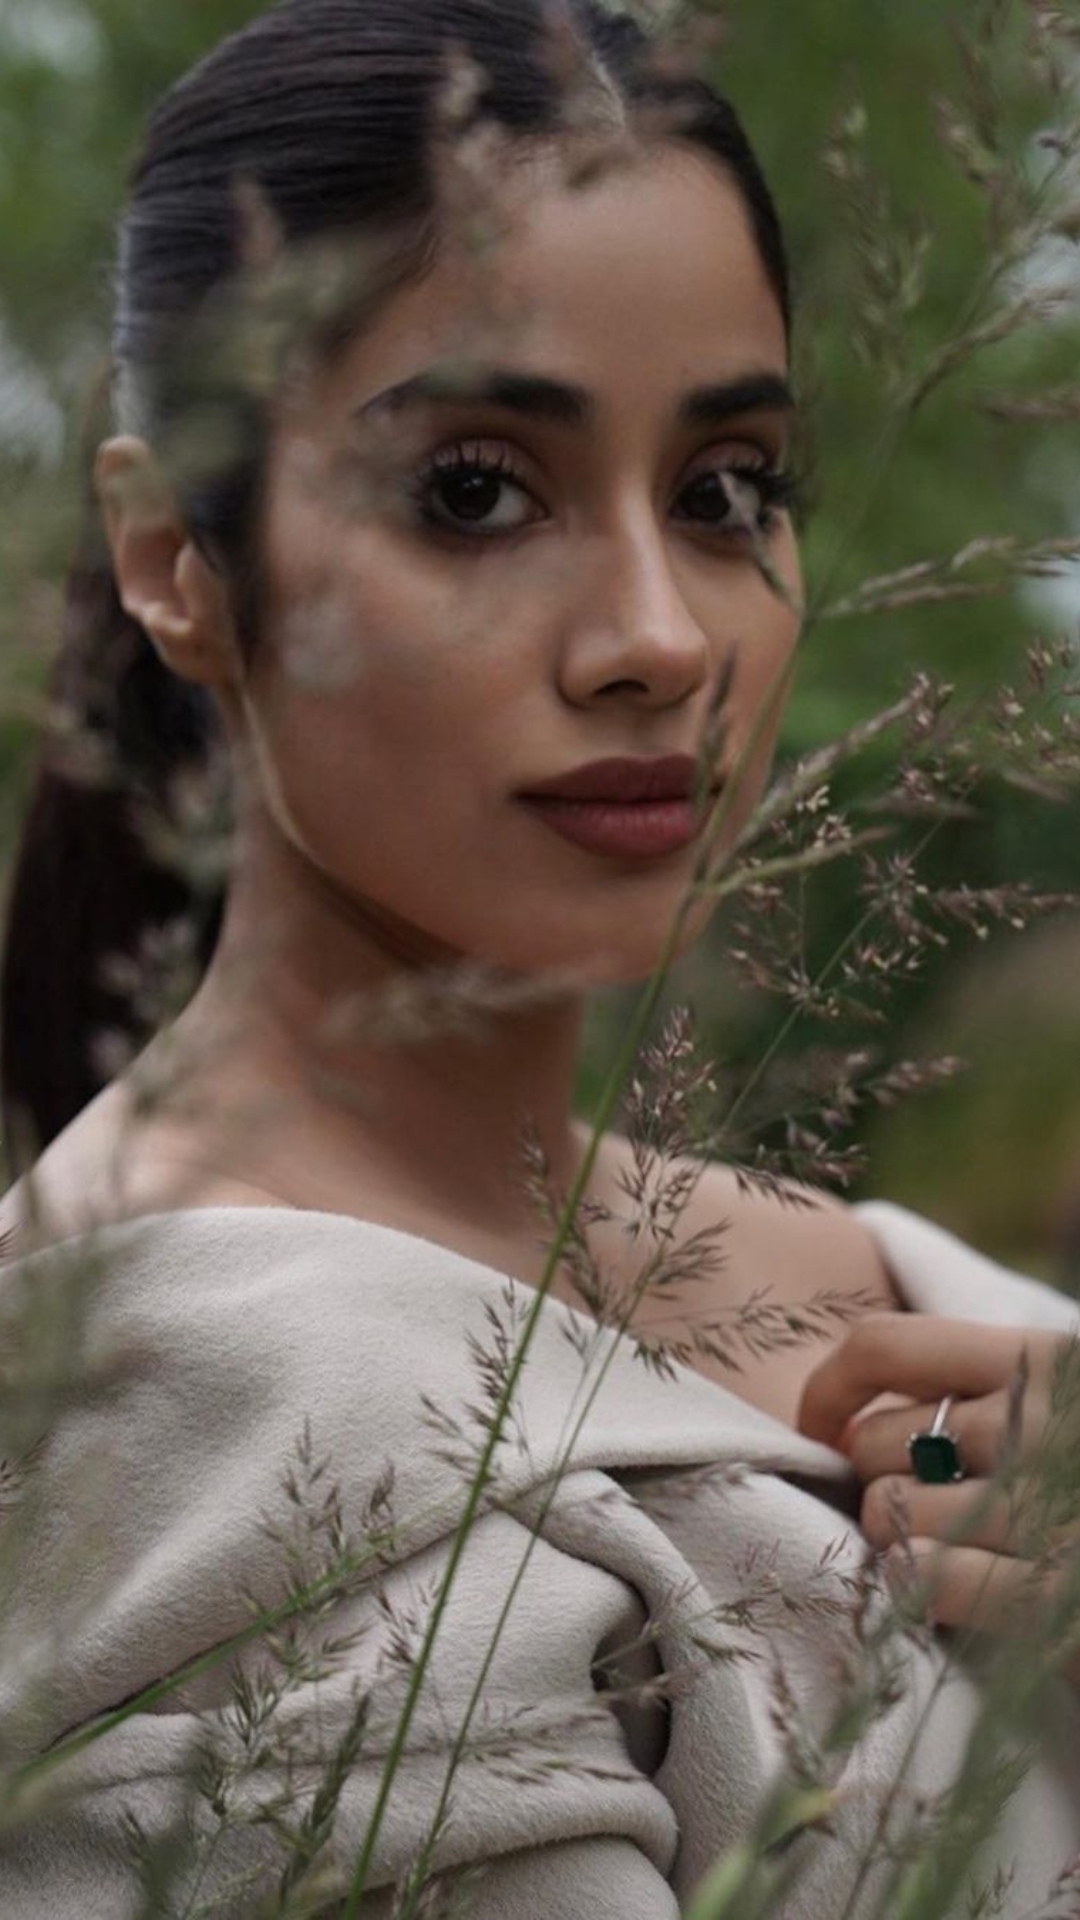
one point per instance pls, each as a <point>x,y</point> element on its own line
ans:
<point>651,273</point>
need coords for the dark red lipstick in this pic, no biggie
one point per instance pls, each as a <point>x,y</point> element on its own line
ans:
<point>622,806</point>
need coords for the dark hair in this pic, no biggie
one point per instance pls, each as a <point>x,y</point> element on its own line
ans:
<point>325,110</point>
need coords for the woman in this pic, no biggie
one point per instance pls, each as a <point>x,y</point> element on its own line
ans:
<point>465,586</point>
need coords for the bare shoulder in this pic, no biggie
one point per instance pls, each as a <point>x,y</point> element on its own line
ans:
<point>797,1241</point>
<point>57,1196</point>
<point>797,1247</point>
<point>100,1170</point>
<point>809,1238</point>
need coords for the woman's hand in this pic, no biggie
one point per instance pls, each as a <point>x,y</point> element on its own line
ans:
<point>987,1547</point>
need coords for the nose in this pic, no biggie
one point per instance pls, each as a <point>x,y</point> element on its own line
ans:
<point>629,632</point>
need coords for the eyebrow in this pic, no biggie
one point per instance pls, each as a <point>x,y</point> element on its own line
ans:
<point>538,397</point>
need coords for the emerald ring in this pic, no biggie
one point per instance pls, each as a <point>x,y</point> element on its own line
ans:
<point>935,1455</point>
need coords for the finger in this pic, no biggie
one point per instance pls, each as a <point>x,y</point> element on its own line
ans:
<point>877,1443</point>
<point>912,1353</point>
<point>970,1587</point>
<point>976,1514</point>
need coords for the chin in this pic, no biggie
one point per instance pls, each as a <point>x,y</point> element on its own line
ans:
<point>622,956</point>
<point>634,965</point>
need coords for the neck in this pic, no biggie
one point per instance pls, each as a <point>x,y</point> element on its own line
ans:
<point>338,1050</point>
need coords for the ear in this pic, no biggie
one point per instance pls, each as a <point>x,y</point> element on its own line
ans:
<point>164,582</point>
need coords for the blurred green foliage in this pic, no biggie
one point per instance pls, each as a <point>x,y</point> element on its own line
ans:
<point>77,78</point>
<point>996,1155</point>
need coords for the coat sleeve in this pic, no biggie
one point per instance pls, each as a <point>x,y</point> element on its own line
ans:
<point>203,1349</point>
<point>936,1272</point>
<point>80,1870</point>
<point>565,1880</point>
<point>548,1805</point>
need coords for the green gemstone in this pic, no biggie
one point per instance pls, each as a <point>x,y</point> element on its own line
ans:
<point>934,1458</point>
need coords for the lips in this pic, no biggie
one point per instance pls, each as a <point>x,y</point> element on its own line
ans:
<point>625,808</point>
<point>623,780</point>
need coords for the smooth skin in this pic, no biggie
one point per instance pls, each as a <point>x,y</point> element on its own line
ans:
<point>409,682</point>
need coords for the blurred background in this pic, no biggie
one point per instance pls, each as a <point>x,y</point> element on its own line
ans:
<point>893,152</point>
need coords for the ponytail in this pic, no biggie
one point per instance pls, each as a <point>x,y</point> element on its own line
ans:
<point>86,884</point>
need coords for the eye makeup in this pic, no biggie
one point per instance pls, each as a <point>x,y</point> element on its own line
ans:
<point>741,495</point>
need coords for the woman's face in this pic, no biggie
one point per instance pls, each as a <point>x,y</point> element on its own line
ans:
<point>439,641</point>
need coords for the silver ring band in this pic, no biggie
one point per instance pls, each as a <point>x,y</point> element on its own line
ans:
<point>942,1414</point>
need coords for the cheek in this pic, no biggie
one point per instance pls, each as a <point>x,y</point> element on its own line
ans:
<point>360,610</point>
<point>374,686</point>
<point>768,635</point>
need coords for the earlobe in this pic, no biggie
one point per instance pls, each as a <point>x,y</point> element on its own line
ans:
<point>164,582</point>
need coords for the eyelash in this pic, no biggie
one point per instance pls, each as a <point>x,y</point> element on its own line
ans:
<point>775,486</point>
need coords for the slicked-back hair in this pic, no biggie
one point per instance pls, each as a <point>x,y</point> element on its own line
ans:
<point>322,113</point>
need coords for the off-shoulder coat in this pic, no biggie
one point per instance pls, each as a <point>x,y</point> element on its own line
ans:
<point>690,1535</point>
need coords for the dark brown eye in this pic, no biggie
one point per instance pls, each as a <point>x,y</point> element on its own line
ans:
<point>471,495</point>
<point>463,490</point>
<point>732,499</point>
